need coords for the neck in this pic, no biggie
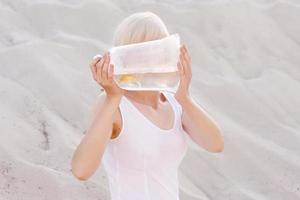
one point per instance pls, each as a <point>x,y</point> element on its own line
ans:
<point>150,98</point>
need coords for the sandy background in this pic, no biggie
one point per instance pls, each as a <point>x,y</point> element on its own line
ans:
<point>246,73</point>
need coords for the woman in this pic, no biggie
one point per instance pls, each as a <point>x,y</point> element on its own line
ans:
<point>139,135</point>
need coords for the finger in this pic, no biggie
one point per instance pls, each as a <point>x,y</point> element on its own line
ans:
<point>183,63</point>
<point>181,46</point>
<point>95,60</point>
<point>184,49</point>
<point>105,68</point>
<point>99,67</point>
<point>187,52</point>
<point>93,66</point>
<point>110,73</point>
<point>94,71</point>
<point>179,66</point>
<point>187,61</point>
<point>97,56</point>
<point>188,68</point>
<point>182,52</point>
<point>181,49</point>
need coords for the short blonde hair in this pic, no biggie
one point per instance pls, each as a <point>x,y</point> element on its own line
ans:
<point>140,27</point>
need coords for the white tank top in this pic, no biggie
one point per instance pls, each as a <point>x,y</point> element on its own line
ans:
<point>142,162</point>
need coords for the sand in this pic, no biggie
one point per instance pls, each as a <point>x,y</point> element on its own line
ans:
<point>246,58</point>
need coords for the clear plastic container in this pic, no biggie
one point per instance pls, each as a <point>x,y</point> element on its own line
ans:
<point>148,65</point>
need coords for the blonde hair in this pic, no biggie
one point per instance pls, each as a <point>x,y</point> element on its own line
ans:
<point>140,27</point>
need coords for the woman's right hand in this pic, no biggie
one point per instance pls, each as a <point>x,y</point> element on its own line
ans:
<point>102,72</point>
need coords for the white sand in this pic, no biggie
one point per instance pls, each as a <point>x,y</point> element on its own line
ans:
<point>246,73</point>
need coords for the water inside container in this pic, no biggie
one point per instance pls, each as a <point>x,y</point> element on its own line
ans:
<point>164,81</point>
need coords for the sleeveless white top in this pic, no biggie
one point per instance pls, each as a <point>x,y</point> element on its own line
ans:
<point>142,162</point>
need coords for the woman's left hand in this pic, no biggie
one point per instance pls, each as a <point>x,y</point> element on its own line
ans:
<point>185,72</point>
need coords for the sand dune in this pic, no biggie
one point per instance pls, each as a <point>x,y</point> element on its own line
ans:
<point>246,58</point>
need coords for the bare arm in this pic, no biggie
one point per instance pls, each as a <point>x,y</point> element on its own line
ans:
<point>200,126</point>
<point>195,120</point>
<point>89,152</point>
